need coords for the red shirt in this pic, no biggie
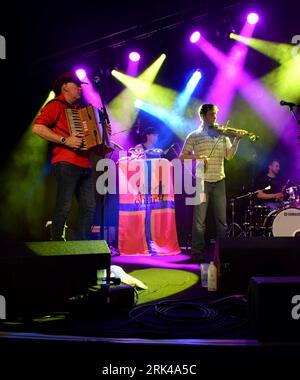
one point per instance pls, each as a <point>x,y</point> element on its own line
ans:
<point>54,117</point>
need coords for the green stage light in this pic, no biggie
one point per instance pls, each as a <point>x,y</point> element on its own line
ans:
<point>24,187</point>
<point>122,107</point>
<point>277,51</point>
<point>163,282</point>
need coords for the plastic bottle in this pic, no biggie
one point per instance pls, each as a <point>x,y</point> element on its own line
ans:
<point>101,276</point>
<point>212,277</point>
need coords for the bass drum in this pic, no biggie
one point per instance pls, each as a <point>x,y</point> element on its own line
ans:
<point>284,222</point>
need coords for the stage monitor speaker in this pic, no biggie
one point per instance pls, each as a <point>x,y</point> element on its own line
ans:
<point>274,308</point>
<point>239,259</point>
<point>39,277</point>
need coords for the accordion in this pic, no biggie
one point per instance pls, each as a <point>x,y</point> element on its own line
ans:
<point>85,123</point>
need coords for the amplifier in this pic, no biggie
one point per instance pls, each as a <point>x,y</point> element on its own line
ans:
<point>274,308</point>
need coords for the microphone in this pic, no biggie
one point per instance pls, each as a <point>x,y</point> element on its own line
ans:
<point>117,145</point>
<point>289,104</point>
<point>138,127</point>
<point>168,149</point>
<point>96,80</point>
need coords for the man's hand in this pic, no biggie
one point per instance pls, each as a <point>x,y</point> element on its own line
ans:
<point>73,142</point>
<point>194,157</point>
<point>278,196</point>
<point>202,157</point>
<point>241,133</point>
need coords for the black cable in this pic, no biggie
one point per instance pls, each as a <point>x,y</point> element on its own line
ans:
<point>201,317</point>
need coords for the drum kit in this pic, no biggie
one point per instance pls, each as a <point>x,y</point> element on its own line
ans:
<point>280,218</point>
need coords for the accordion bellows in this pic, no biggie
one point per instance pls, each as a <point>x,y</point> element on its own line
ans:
<point>85,123</point>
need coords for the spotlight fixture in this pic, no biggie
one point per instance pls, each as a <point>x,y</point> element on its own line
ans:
<point>198,74</point>
<point>195,37</point>
<point>81,73</point>
<point>134,56</point>
<point>252,18</point>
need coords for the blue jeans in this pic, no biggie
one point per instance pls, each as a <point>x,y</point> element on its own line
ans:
<point>73,180</point>
<point>215,193</point>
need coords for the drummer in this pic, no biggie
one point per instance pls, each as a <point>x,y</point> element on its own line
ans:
<point>272,197</point>
<point>148,146</point>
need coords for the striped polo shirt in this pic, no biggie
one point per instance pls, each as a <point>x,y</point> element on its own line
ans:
<point>199,142</point>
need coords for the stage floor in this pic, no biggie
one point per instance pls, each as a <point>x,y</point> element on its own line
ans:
<point>174,321</point>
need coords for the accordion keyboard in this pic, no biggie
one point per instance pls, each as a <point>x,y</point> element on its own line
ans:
<point>84,123</point>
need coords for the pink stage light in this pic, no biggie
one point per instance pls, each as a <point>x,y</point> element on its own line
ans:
<point>81,73</point>
<point>252,18</point>
<point>134,56</point>
<point>195,37</point>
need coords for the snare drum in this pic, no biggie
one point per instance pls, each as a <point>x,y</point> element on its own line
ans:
<point>284,222</point>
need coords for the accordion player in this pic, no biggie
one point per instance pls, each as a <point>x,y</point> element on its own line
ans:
<point>85,123</point>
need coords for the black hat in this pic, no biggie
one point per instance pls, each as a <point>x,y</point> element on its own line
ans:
<point>68,77</point>
<point>149,131</point>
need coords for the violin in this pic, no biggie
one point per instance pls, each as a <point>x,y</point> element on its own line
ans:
<point>232,132</point>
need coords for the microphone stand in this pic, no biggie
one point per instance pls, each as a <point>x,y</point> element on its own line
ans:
<point>122,131</point>
<point>230,232</point>
<point>165,152</point>
<point>174,150</point>
<point>249,223</point>
<point>295,116</point>
<point>104,119</point>
<point>103,115</point>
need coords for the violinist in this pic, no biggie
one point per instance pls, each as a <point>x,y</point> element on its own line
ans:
<point>208,143</point>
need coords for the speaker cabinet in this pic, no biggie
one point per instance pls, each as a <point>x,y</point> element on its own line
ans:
<point>40,277</point>
<point>274,308</point>
<point>239,259</point>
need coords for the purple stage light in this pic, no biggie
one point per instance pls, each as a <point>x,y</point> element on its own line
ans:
<point>252,18</point>
<point>134,56</point>
<point>81,73</point>
<point>195,37</point>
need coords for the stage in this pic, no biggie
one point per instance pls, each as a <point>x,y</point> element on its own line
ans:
<point>134,134</point>
<point>174,322</point>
